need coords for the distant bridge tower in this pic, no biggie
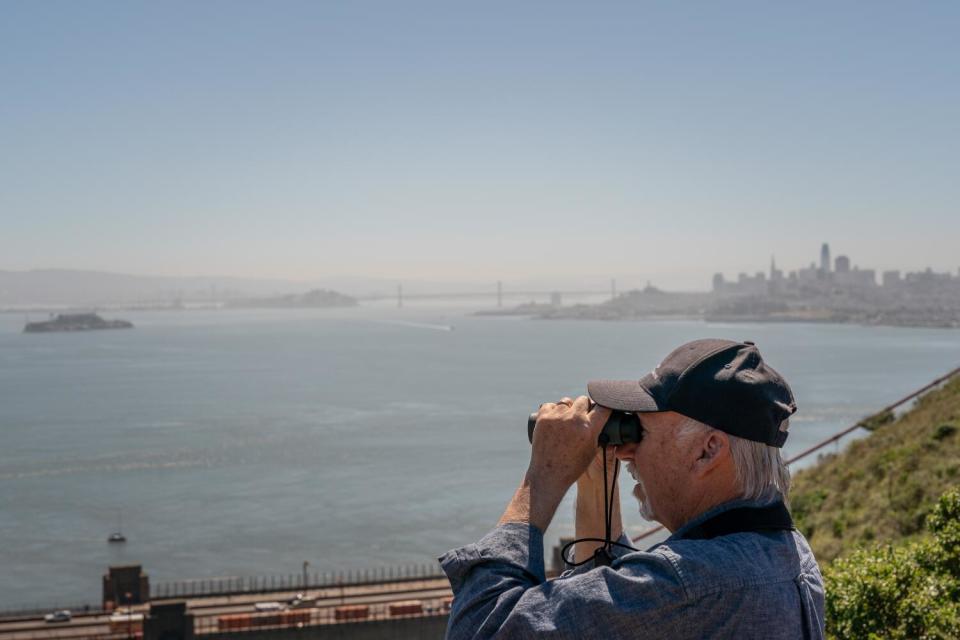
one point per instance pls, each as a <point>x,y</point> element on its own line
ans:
<point>825,258</point>
<point>399,295</point>
<point>499,293</point>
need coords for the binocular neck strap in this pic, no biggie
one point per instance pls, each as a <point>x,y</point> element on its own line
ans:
<point>774,517</point>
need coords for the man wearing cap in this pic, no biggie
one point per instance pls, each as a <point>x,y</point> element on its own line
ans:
<point>707,465</point>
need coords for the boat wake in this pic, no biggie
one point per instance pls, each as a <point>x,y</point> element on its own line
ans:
<point>418,325</point>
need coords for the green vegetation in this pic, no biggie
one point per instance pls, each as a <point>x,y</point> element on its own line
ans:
<point>904,592</point>
<point>880,489</point>
<point>883,518</point>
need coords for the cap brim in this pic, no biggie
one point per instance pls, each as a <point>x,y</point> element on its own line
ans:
<point>622,395</point>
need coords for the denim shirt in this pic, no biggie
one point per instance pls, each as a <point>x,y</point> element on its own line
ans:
<point>741,585</point>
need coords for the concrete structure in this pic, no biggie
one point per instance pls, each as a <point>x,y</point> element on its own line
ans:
<point>169,621</point>
<point>125,585</point>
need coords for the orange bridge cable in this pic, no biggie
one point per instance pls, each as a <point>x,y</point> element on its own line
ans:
<point>649,532</point>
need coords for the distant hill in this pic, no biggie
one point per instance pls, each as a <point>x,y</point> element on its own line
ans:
<point>57,288</point>
<point>91,288</point>
<point>882,487</point>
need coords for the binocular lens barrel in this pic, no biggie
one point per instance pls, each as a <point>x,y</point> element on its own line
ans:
<point>621,428</point>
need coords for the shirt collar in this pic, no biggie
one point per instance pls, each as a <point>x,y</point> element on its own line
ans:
<point>763,501</point>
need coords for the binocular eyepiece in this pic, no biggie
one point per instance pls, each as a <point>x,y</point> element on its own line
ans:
<point>621,428</point>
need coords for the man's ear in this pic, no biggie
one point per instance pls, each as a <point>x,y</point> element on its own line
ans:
<point>715,447</point>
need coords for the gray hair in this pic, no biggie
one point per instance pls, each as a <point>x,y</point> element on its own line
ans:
<point>759,467</point>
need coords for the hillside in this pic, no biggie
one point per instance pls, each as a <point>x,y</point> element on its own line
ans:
<point>881,488</point>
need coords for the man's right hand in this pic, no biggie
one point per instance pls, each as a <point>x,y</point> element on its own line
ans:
<point>590,507</point>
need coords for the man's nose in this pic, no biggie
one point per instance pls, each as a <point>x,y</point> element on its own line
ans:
<point>626,451</point>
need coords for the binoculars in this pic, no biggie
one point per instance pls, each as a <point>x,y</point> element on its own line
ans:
<point>621,428</point>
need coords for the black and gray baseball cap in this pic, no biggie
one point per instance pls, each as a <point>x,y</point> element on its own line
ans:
<point>721,383</point>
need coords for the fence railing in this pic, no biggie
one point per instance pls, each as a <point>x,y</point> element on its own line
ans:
<point>231,585</point>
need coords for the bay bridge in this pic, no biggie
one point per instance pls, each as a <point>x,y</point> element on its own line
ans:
<point>496,293</point>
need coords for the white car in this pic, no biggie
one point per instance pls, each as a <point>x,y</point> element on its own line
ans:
<point>268,606</point>
<point>58,616</point>
<point>301,601</point>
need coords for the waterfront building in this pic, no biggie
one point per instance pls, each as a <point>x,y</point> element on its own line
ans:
<point>718,282</point>
<point>856,278</point>
<point>752,285</point>
<point>808,275</point>
<point>775,274</point>
<point>928,275</point>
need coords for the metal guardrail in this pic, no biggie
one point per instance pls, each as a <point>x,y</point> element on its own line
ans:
<point>239,585</point>
<point>840,434</point>
<point>292,582</point>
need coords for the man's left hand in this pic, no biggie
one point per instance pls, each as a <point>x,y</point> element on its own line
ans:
<point>564,443</point>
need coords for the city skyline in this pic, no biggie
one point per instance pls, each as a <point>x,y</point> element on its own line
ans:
<point>839,267</point>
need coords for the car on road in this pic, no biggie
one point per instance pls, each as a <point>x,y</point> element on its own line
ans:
<point>301,601</point>
<point>269,606</point>
<point>58,616</point>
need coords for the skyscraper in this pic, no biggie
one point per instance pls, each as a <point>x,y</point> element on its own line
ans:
<point>825,258</point>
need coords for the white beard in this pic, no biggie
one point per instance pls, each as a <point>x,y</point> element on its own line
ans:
<point>640,494</point>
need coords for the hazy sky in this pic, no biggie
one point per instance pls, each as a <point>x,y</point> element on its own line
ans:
<point>478,141</point>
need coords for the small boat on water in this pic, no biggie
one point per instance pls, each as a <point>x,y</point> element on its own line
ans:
<point>117,536</point>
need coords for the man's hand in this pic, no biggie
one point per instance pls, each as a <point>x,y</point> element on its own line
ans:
<point>564,444</point>
<point>565,440</point>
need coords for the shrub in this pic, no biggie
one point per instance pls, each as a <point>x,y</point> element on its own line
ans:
<point>910,591</point>
<point>877,420</point>
<point>944,431</point>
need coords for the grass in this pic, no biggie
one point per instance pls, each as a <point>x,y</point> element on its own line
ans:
<point>882,487</point>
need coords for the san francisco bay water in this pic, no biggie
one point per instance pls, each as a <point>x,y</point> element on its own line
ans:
<point>246,442</point>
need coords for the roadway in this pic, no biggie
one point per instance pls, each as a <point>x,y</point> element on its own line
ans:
<point>431,591</point>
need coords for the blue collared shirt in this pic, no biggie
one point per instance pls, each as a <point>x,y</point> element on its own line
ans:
<point>741,585</point>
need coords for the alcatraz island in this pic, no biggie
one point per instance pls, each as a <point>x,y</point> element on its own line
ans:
<point>825,292</point>
<point>75,322</point>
